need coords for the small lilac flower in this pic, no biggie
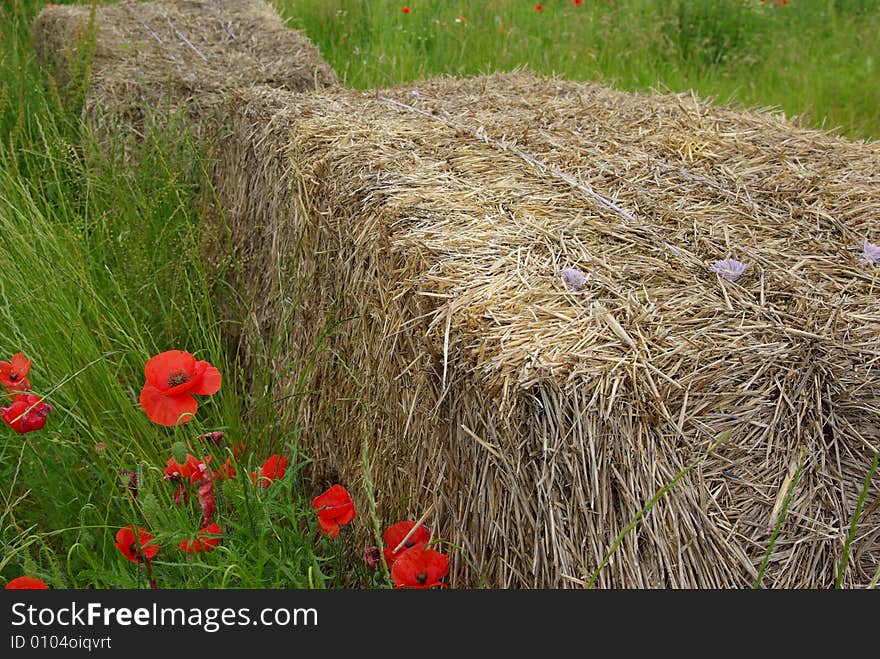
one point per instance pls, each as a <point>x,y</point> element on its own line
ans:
<point>573,278</point>
<point>870,253</point>
<point>730,269</point>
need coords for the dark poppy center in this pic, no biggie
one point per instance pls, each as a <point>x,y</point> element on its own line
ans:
<point>136,552</point>
<point>13,376</point>
<point>409,543</point>
<point>422,577</point>
<point>177,377</point>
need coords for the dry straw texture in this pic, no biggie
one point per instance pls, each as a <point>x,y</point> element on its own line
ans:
<point>535,421</point>
<point>156,58</point>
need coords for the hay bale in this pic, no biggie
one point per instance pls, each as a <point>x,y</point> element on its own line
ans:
<point>153,59</point>
<point>536,421</point>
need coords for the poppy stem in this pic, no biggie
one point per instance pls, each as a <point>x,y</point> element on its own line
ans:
<point>153,584</point>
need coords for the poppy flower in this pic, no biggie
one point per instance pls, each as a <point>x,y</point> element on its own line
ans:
<point>192,468</point>
<point>206,497</point>
<point>371,557</point>
<point>136,548</point>
<point>274,467</point>
<point>26,583</point>
<point>27,413</point>
<point>539,7</point>
<point>208,538</point>
<point>13,374</point>
<point>420,569</point>
<point>578,2</point>
<point>215,436</point>
<point>172,378</point>
<point>129,480</point>
<point>335,508</point>
<point>225,471</point>
<point>405,10</point>
<point>395,534</point>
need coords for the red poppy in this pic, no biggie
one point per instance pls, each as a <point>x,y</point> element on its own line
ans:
<point>208,538</point>
<point>215,436</point>
<point>192,468</point>
<point>274,467</point>
<point>225,471</point>
<point>206,497</point>
<point>578,2</point>
<point>335,508</point>
<point>371,557</point>
<point>172,379</point>
<point>395,534</point>
<point>405,10</point>
<point>420,568</point>
<point>539,7</point>
<point>27,413</point>
<point>129,479</point>
<point>137,549</point>
<point>13,374</point>
<point>26,583</point>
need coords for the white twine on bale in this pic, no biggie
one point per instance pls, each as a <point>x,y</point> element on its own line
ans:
<point>151,32</point>
<point>186,41</point>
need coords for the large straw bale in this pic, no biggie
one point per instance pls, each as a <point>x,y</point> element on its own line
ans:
<point>153,59</point>
<point>533,421</point>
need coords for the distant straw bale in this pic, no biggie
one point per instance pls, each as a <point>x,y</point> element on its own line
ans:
<point>153,59</point>
<point>534,420</point>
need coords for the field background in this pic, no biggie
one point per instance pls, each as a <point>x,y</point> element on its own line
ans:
<point>101,266</point>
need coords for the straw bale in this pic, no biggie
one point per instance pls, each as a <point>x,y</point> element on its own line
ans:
<point>152,59</point>
<point>406,246</point>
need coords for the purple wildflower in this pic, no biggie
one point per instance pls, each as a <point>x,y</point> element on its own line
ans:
<point>870,253</point>
<point>730,269</point>
<point>573,278</point>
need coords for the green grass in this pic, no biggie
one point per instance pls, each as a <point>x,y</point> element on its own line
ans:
<point>815,58</point>
<point>101,266</point>
<point>102,271</point>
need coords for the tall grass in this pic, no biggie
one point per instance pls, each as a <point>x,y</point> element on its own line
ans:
<point>102,270</point>
<point>816,58</point>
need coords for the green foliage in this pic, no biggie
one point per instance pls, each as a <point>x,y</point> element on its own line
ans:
<point>813,58</point>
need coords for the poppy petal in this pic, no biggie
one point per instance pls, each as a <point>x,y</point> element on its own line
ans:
<point>21,364</point>
<point>26,583</point>
<point>346,516</point>
<point>159,366</point>
<point>329,527</point>
<point>209,382</point>
<point>167,410</point>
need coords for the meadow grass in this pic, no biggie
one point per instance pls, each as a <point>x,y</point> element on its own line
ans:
<point>102,268</point>
<point>819,59</point>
